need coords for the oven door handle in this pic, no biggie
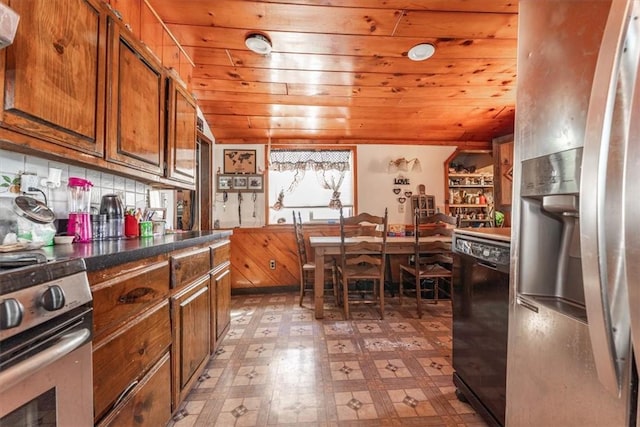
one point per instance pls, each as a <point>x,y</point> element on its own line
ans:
<point>24,369</point>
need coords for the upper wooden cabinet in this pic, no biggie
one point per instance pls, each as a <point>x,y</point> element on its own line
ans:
<point>181,134</point>
<point>53,76</point>
<point>503,182</point>
<point>135,104</point>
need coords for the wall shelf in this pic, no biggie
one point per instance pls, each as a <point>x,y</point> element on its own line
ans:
<point>465,189</point>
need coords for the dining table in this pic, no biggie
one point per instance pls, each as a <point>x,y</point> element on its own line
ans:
<point>329,246</point>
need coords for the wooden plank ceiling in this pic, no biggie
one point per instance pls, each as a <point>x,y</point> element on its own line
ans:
<point>339,71</point>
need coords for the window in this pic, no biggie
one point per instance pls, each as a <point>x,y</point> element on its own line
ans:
<point>315,182</point>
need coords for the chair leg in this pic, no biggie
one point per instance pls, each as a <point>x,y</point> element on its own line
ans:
<point>345,297</point>
<point>400,288</point>
<point>436,291</point>
<point>302,280</point>
<point>334,283</point>
<point>418,296</point>
<point>381,285</point>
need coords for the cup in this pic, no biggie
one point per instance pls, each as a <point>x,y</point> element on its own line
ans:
<point>131,228</point>
<point>146,228</point>
<point>158,228</point>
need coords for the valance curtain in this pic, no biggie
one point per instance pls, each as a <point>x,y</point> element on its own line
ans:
<point>329,166</point>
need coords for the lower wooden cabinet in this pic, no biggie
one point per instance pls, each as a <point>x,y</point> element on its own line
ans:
<point>124,357</point>
<point>156,324</point>
<point>148,403</point>
<point>223,303</point>
<point>191,314</point>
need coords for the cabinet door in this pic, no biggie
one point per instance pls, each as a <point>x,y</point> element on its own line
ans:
<point>123,358</point>
<point>223,303</point>
<point>503,180</point>
<point>191,315</point>
<point>54,73</point>
<point>135,104</point>
<point>181,140</point>
<point>149,402</point>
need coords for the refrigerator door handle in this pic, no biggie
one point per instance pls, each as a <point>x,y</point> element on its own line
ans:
<point>631,224</point>
<point>604,287</point>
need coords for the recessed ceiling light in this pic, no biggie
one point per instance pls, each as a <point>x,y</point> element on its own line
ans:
<point>258,43</point>
<point>421,51</point>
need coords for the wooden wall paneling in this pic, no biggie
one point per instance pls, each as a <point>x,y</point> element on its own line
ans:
<point>151,31</point>
<point>185,69</point>
<point>170,52</point>
<point>250,267</point>
<point>131,13</point>
<point>251,251</point>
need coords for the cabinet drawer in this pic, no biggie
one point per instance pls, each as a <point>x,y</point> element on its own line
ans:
<point>220,253</point>
<point>117,299</point>
<point>149,403</point>
<point>188,266</point>
<point>127,354</point>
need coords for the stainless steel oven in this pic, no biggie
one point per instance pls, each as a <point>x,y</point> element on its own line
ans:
<point>45,346</point>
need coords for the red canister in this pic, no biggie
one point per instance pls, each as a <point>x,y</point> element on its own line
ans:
<point>130,226</point>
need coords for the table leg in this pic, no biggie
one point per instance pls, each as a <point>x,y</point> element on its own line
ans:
<point>318,283</point>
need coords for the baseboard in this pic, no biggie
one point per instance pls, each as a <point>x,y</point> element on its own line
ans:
<point>265,290</point>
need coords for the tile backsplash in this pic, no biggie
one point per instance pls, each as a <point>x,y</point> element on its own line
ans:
<point>134,194</point>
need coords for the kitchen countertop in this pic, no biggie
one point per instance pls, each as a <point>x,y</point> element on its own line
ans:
<point>502,234</point>
<point>108,253</point>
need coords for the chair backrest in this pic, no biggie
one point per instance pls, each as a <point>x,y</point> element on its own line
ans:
<point>439,218</point>
<point>302,250</point>
<point>363,224</point>
<point>434,250</point>
<point>370,251</point>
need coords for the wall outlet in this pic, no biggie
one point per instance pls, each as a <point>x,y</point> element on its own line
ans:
<point>272,264</point>
<point>27,181</point>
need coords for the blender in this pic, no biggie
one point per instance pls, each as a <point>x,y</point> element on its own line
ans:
<point>79,201</point>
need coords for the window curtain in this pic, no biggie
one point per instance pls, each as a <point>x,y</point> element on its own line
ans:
<point>330,167</point>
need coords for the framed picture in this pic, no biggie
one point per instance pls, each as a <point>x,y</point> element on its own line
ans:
<point>255,183</point>
<point>225,182</point>
<point>239,161</point>
<point>240,182</point>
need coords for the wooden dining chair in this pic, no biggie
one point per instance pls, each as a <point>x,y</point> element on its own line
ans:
<point>307,268</point>
<point>363,240</point>
<point>431,263</point>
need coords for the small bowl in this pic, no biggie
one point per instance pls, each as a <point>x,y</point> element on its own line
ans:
<point>63,240</point>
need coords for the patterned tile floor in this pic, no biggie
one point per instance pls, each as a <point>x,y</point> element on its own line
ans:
<point>278,366</point>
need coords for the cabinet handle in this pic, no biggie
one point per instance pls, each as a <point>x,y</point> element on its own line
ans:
<point>125,393</point>
<point>135,294</point>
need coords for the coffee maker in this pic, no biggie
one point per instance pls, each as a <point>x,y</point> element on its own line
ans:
<point>79,203</point>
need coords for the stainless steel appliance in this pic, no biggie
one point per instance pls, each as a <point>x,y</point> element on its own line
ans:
<point>480,319</point>
<point>45,345</point>
<point>575,295</point>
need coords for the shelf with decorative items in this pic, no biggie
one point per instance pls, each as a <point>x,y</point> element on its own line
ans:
<point>472,203</point>
<point>469,185</point>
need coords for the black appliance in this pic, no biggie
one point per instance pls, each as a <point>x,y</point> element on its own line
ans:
<point>480,318</point>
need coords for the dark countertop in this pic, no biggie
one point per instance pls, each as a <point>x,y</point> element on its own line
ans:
<point>108,253</point>
<point>493,233</point>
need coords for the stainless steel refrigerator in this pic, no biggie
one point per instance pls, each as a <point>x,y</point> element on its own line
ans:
<point>574,313</point>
